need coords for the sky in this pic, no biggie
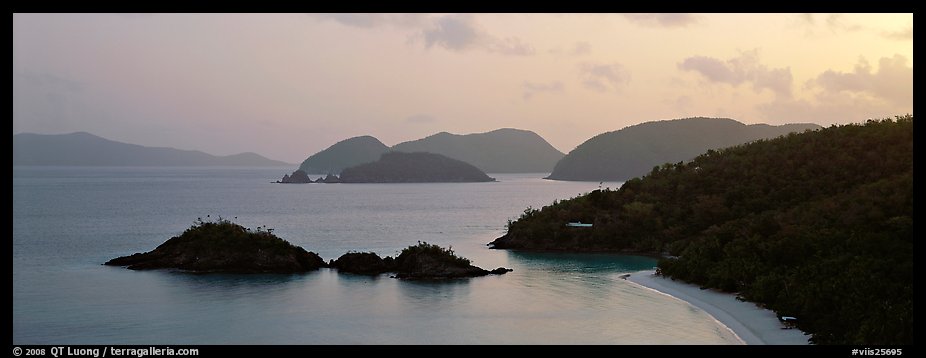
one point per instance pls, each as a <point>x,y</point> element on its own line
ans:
<point>289,85</point>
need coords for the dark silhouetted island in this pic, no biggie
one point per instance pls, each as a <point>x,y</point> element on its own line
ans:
<point>223,246</point>
<point>85,149</point>
<point>344,154</point>
<point>298,177</point>
<point>399,167</point>
<point>419,262</point>
<point>505,150</point>
<point>635,150</point>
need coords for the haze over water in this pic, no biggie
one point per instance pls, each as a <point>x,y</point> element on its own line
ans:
<point>67,221</point>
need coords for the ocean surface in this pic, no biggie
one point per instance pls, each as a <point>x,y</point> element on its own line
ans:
<point>67,221</point>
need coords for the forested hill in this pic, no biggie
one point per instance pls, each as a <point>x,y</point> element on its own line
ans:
<point>817,225</point>
<point>505,150</point>
<point>344,154</point>
<point>633,151</point>
<point>421,167</point>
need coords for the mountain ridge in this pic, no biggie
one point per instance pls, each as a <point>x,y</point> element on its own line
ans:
<point>503,150</point>
<point>87,149</point>
<point>634,150</point>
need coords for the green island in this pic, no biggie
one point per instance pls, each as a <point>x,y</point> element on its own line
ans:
<point>817,225</point>
<point>223,246</point>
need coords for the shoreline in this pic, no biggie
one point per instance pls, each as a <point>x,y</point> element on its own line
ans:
<point>750,323</point>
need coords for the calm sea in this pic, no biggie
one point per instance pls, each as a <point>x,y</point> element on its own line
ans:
<point>67,221</point>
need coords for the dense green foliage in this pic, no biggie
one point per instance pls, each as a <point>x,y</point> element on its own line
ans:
<point>817,225</point>
<point>344,154</point>
<point>412,257</point>
<point>398,167</point>
<point>503,150</point>
<point>223,246</point>
<point>206,235</point>
<point>633,151</point>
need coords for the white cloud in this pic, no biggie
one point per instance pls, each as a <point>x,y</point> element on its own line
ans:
<point>741,69</point>
<point>374,20</point>
<point>664,20</point>
<point>840,97</point>
<point>903,34</point>
<point>603,77</point>
<point>893,82</point>
<point>454,32</point>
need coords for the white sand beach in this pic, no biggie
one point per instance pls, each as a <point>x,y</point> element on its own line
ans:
<point>753,325</point>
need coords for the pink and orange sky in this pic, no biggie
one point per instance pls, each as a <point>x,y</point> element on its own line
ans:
<point>289,85</point>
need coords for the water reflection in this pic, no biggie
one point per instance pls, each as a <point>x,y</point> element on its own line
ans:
<point>581,262</point>
<point>435,295</point>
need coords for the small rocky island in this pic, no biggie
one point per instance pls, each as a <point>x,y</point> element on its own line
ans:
<point>419,167</point>
<point>422,261</point>
<point>298,177</point>
<point>223,246</point>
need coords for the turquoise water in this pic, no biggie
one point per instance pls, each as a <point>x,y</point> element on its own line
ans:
<point>67,221</point>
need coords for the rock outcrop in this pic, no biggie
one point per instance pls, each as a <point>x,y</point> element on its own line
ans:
<point>422,261</point>
<point>299,177</point>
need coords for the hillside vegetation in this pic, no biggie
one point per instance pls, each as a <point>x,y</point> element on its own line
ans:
<point>817,225</point>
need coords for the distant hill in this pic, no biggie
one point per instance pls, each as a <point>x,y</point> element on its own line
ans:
<point>346,153</point>
<point>85,149</point>
<point>635,150</point>
<point>503,150</point>
<point>399,167</point>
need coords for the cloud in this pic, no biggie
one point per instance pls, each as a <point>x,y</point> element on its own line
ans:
<point>664,20</point>
<point>833,23</point>
<point>420,118</point>
<point>840,97</point>
<point>741,69</point>
<point>893,82</point>
<point>581,48</point>
<point>836,22</point>
<point>510,46</point>
<point>578,48</point>
<point>531,88</point>
<point>603,77</point>
<point>904,34</point>
<point>374,20</point>
<point>455,32</point>
<point>460,32</point>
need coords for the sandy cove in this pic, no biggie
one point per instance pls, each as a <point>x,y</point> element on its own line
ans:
<point>752,324</point>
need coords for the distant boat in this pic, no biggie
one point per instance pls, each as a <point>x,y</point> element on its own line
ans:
<point>578,224</point>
